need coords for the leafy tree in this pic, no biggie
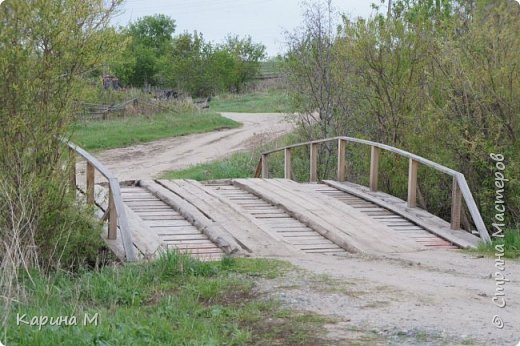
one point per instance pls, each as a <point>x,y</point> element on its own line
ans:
<point>149,39</point>
<point>437,78</point>
<point>46,48</point>
<point>247,55</point>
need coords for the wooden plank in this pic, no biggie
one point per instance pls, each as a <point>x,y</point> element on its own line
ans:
<point>265,166</point>
<point>342,166</point>
<point>227,219</point>
<point>420,217</point>
<point>112,217</point>
<point>287,164</point>
<point>313,177</point>
<point>412,183</point>
<point>374,168</point>
<point>456,205</point>
<point>91,173</point>
<point>341,224</point>
<point>72,173</point>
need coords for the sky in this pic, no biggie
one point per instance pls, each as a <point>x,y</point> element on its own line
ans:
<point>264,20</point>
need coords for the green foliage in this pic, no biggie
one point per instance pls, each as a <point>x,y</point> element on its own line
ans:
<point>148,39</point>
<point>172,301</point>
<point>270,101</point>
<point>510,243</point>
<point>186,62</point>
<point>436,78</point>
<point>47,47</point>
<point>238,165</point>
<point>97,135</point>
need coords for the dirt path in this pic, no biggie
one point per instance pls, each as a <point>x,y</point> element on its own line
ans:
<point>145,161</point>
<point>441,297</point>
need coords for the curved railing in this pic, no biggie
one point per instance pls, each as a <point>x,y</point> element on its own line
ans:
<point>115,212</point>
<point>460,188</point>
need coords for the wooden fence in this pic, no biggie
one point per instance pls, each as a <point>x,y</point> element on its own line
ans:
<point>115,213</point>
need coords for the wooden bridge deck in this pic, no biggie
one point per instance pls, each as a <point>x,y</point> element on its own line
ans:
<point>273,217</point>
<point>277,217</point>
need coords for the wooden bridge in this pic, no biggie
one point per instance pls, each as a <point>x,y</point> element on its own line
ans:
<point>266,216</point>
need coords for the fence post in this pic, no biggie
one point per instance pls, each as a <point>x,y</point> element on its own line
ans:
<point>456,205</point>
<point>412,184</point>
<point>112,216</point>
<point>374,168</point>
<point>265,167</point>
<point>287,167</point>
<point>72,172</point>
<point>342,168</point>
<point>91,173</point>
<point>313,162</point>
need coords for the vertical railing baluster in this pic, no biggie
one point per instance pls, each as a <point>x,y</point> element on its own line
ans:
<point>265,167</point>
<point>91,173</point>
<point>287,163</point>
<point>456,205</point>
<point>342,167</point>
<point>412,184</point>
<point>112,216</point>
<point>72,172</point>
<point>374,168</point>
<point>313,177</point>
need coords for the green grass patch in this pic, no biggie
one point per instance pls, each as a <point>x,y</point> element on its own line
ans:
<point>117,133</point>
<point>271,101</point>
<point>173,301</point>
<point>511,243</point>
<point>238,165</point>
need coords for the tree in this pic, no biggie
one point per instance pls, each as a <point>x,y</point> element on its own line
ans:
<point>437,78</point>
<point>46,47</point>
<point>149,39</point>
<point>247,55</point>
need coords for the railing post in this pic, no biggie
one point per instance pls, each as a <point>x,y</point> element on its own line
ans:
<point>456,205</point>
<point>287,166</point>
<point>112,216</point>
<point>313,162</point>
<point>265,167</point>
<point>412,184</point>
<point>342,168</point>
<point>72,172</point>
<point>374,168</point>
<point>91,173</point>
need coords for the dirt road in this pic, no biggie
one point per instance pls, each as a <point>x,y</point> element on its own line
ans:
<point>145,161</point>
<point>437,297</point>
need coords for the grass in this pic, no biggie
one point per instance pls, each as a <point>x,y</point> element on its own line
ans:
<point>270,101</point>
<point>511,242</point>
<point>117,133</point>
<point>173,301</point>
<point>238,165</point>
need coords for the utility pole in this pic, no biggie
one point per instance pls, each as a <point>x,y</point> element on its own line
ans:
<point>389,9</point>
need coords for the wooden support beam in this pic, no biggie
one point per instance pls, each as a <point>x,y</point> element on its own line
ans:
<point>456,205</point>
<point>72,172</point>
<point>265,166</point>
<point>412,183</point>
<point>287,166</point>
<point>91,173</point>
<point>374,168</point>
<point>112,217</point>
<point>313,177</point>
<point>342,167</point>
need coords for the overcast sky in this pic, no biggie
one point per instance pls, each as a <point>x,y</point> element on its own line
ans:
<point>264,20</point>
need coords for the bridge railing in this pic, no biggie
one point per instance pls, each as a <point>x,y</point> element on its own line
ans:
<point>460,188</point>
<point>115,213</point>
